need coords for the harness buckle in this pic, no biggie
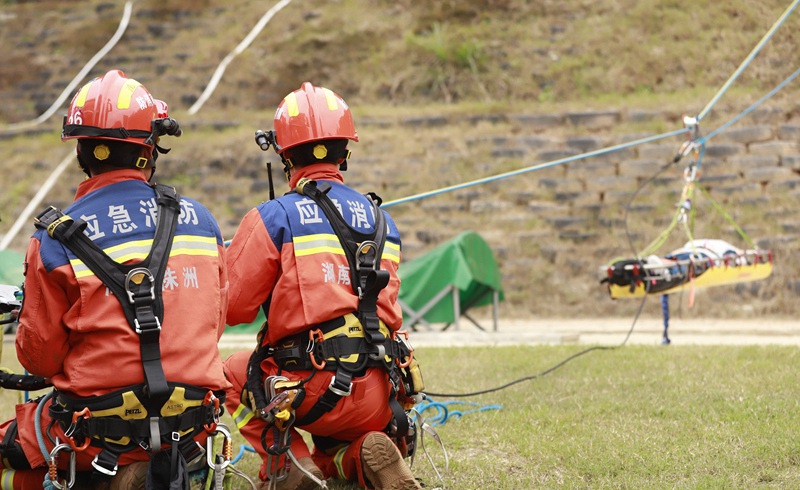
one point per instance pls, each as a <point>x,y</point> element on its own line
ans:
<point>367,253</point>
<point>138,327</point>
<point>332,387</point>
<point>136,276</point>
<point>155,434</point>
<point>102,469</point>
<point>380,354</point>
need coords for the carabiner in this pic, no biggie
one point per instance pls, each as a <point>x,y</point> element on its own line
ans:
<point>400,364</point>
<point>316,336</point>
<point>227,448</point>
<point>53,466</point>
<point>83,414</point>
<point>211,399</point>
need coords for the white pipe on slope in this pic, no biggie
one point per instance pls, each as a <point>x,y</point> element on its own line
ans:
<point>212,84</point>
<point>123,25</point>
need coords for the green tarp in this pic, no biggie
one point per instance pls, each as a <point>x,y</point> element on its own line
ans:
<point>465,263</point>
<point>252,327</point>
<point>11,267</point>
<point>10,275</point>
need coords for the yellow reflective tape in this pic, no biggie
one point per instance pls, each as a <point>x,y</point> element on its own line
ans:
<point>193,251</point>
<point>327,242</point>
<point>337,460</point>
<point>391,251</point>
<point>8,478</point>
<point>242,415</point>
<point>291,105</point>
<point>319,250</point>
<point>138,250</point>
<point>315,237</point>
<point>333,104</point>
<point>81,98</point>
<point>316,244</point>
<point>126,94</point>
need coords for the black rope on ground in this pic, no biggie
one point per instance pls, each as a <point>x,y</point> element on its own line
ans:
<point>550,369</point>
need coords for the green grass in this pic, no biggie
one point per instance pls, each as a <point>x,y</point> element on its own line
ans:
<point>634,417</point>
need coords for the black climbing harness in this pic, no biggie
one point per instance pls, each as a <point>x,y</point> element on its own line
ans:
<point>137,416</point>
<point>347,356</point>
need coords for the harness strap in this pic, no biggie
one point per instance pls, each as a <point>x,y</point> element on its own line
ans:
<point>93,132</point>
<point>363,252</point>
<point>136,286</point>
<point>11,450</point>
<point>341,386</point>
<point>296,357</point>
<point>140,430</point>
<point>113,427</point>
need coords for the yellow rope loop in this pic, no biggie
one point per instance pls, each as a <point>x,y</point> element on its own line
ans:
<point>727,217</point>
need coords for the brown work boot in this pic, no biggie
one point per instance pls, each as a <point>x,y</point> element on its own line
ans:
<point>384,467</point>
<point>129,477</point>
<point>296,479</point>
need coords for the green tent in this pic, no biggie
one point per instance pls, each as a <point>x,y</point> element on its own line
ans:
<point>464,265</point>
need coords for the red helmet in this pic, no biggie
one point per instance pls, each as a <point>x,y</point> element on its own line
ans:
<point>114,107</point>
<point>310,114</point>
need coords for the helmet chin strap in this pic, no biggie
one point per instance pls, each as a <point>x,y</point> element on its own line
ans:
<point>287,168</point>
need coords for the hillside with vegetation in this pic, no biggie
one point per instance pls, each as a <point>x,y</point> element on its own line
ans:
<point>446,92</point>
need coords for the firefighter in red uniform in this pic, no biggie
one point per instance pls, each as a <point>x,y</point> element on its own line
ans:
<point>330,340</point>
<point>132,373</point>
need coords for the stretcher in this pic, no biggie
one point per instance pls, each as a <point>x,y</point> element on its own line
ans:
<point>698,264</point>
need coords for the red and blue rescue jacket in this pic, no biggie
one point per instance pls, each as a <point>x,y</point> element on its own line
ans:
<point>73,330</point>
<point>286,255</point>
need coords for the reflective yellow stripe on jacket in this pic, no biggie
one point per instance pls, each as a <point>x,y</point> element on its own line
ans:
<point>329,242</point>
<point>138,250</point>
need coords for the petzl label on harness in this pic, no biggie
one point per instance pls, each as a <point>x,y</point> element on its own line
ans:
<point>349,326</point>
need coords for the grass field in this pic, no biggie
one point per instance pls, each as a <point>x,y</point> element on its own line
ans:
<point>715,417</point>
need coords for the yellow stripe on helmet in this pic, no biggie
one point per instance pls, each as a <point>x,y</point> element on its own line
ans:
<point>126,94</point>
<point>81,98</point>
<point>333,104</point>
<point>291,105</point>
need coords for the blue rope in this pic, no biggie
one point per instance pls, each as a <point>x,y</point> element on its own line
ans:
<point>444,412</point>
<point>749,58</point>
<point>242,449</point>
<point>534,167</point>
<point>752,107</point>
